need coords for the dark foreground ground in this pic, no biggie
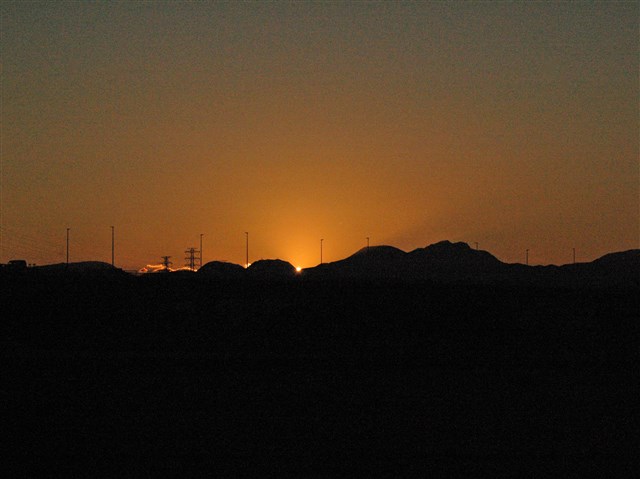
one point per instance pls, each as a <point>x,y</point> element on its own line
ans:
<point>135,377</point>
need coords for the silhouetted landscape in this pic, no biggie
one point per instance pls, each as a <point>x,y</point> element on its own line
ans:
<point>442,359</point>
<point>219,226</point>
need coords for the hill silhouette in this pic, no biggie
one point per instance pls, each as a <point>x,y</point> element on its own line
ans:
<point>374,262</point>
<point>83,268</point>
<point>222,270</point>
<point>451,262</point>
<point>444,261</point>
<point>271,269</point>
<point>447,262</point>
<point>440,263</point>
<point>629,259</point>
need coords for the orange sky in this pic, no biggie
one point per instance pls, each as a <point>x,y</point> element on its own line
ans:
<point>511,124</point>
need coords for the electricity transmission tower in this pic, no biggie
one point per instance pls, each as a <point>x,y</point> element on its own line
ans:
<point>191,258</point>
<point>166,262</point>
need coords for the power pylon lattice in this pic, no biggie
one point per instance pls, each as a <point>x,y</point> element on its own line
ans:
<point>190,259</point>
<point>165,261</point>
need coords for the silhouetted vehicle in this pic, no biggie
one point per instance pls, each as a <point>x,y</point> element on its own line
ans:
<point>16,265</point>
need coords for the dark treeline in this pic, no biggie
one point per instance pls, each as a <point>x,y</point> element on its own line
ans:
<point>317,377</point>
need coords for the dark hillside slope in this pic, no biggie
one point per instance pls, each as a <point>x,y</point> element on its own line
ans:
<point>375,262</point>
<point>82,268</point>
<point>617,269</point>
<point>271,269</point>
<point>222,270</point>
<point>446,261</point>
<point>457,263</point>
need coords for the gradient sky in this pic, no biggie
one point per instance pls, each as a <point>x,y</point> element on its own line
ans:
<point>513,124</point>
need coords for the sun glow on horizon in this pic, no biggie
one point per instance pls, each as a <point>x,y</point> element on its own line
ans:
<point>318,136</point>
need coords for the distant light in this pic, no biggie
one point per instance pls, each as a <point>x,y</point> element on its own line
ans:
<point>298,269</point>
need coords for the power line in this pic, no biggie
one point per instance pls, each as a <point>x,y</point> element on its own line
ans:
<point>49,243</point>
<point>17,242</point>
<point>46,250</point>
<point>30,244</point>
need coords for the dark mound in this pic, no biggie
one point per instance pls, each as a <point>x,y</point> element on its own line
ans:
<point>444,261</point>
<point>375,262</point>
<point>448,261</point>
<point>222,270</point>
<point>183,272</point>
<point>446,252</point>
<point>377,253</point>
<point>622,259</point>
<point>613,269</point>
<point>80,268</point>
<point>271,268</point>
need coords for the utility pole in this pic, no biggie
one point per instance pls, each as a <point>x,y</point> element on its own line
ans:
<point>166,262</point>
<point>201,235</point>
<point>367,244</point>
<point>113,256</point>
<point>246,233</point>
<point>191,264</point>
<point>68,246</point>
<point>321,240</point>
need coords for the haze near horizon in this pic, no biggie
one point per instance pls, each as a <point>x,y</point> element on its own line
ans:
<point>511,124</point>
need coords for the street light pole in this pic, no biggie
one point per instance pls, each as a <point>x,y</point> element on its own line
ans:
<point>113,250</point>
<point>201,235</point>
<point>247,248</point>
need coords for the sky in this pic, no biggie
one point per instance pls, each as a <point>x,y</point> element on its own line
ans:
<point>511,124</point>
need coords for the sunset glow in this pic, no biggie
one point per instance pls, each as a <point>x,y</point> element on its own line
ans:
<point>514,125</point>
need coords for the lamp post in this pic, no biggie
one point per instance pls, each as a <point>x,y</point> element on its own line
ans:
<point>201,235</point>
<point>113,237</point>
<point>246,233</point>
